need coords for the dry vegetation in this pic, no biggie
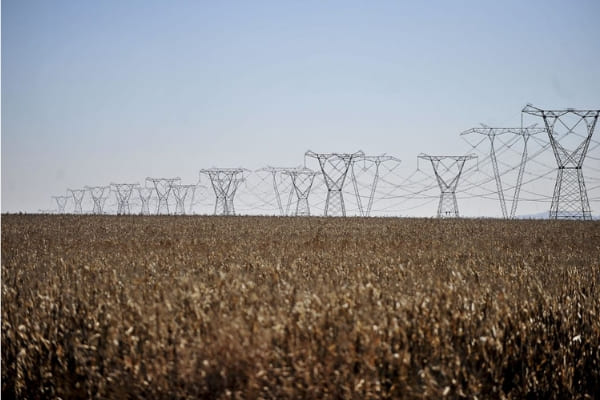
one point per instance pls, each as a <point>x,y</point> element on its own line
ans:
<point>249,307</point>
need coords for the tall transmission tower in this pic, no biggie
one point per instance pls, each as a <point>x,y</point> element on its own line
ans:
<point>334,167</point>
<point>447,171</point>
<point>197,187</point>
<point>123,192</point>
<point>302,180</point>
<point>78,195</point>
<point>275,173</point>
<point>225,182</point>
<point>181,192</point>
<point>570,132</point>
<point>97,193</point>
<point>365,163</point>
<point>493,134</point>
<point>144,194</point>
<point>61,203</point>
<point>163,188</point>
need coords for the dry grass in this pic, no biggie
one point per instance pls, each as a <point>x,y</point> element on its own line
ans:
<point>249,307</point>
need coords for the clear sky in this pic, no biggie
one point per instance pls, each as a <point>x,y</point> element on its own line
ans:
<point>101,91</point>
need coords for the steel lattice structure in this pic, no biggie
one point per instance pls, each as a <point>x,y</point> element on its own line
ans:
<point>61,203</point>
<point>225,182</point>
<point>376,161</point>
<point>97,193</point>
<point>334,167</point>
<point>275,171</point>
<point>492,134</point>
<point>78,195</point>
<point>570,200</point>
<point>302,181</point>
<point>144,194</point>
<point>163,187</point>
<point>447,170</point>
<point>123,192</point>
<point>181,192</point>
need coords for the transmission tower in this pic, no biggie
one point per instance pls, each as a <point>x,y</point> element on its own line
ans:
<point>275,172</point>
<point>302,180</point>
<point>61,203</point>
<point>447,171</point>
<point>492,134</point>
<point>225,182</point>
<point>123,192</point>
<point>77,199</point>
<point>145,193</point>
<point>334,167</point>
<point>570,132</point>
<point>181,192</point>
<point>163,188</point>
<point>365,163</point>
<point>97,193</point>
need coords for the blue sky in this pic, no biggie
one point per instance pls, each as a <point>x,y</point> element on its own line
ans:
<point>94,92</point>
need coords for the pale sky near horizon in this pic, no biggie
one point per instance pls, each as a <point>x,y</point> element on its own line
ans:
<point>97,92</point>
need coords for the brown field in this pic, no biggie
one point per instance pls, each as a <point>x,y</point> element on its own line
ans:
<point>251,307</point>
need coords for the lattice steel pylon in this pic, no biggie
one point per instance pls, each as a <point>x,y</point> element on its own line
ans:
<point>334,167</point>
<point>97,193</point>
<point>123,192</point>
<point>225,182</point>
<point>377,161</point>
<point>181,192</point>
<point>61,203</point>
<point>570,132</point>
<point>447,179</point>
<point>492,134</point>
<point>280,171</point>
<point>302,180</point>
<point>77,195</point>
<point>144,194</point>
<point>163,187</point>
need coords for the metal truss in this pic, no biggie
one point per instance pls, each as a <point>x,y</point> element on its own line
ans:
<point>447,171</point>
<point>123,192</point>
<point>163,188</point>
<point>302,180</point>
<point>181,192</point>
<point>193,200</point>
<point>575,127</point>
<point>144,194</point>
<point>275,172</point>
<point>97,193</point>
<point>367,163</point>
<point>334,167</point>
<point>492,134</point>
<point>225,182</point>
<point>61,203</point>
<point>77,195</point>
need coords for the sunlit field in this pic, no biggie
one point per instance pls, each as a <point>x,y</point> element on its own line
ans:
<point>265,307</point>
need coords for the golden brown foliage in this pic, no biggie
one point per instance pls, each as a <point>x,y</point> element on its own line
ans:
<point>250,307</point>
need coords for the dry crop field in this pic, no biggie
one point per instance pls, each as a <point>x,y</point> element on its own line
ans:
<point>257,307</point>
